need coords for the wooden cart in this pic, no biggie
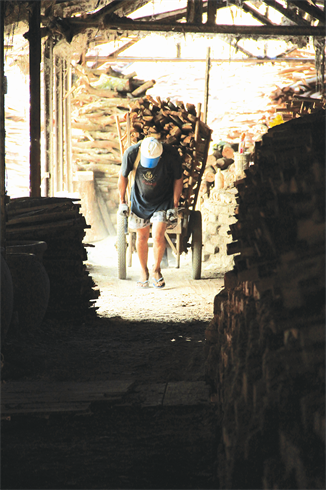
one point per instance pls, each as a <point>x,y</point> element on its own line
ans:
<point>189,223</point>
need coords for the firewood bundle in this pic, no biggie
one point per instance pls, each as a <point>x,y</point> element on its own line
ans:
<point>58,222</point>
<point>179,125</point>
<point>98,97</point>
<point>298,98</point>
<point>279,238</point>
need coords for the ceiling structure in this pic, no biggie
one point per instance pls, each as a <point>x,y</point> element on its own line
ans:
<point>68,19</point>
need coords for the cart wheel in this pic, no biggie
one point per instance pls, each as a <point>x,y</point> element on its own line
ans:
<point>196,243</point>
<point>122,246</point>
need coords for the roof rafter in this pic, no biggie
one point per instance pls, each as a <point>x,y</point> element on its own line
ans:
<point>286,13</point>
<point>125,24</point>
<point>315,12</point>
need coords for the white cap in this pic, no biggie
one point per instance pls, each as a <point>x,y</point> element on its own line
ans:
<point>151,150</point>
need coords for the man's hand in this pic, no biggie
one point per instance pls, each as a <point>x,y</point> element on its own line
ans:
<point>123,209</point>
<point>172,215</point>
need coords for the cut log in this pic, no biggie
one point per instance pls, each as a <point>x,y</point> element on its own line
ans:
<point>140,90</point>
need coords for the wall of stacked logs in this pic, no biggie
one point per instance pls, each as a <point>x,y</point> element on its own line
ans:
<point>59,223</point>
<point>265,347</point>
<point>218,202</point>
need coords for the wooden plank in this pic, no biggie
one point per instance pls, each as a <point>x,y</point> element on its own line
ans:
<point>112,387</point>
<point>186,393</point>
<point>29,397</point>
<point>44,408</point>
<point>151,395</point>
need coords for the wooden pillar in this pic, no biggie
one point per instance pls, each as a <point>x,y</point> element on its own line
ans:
<point>48,116</point>
<point>211,12</point>
<point>208,67</point>
<point>35,100</point>
<point>58,124</point>
<point>195,11</point>
<point>2,132</point>
<point>68,128</point>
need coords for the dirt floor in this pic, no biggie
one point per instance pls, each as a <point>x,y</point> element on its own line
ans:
<point>149,340</point>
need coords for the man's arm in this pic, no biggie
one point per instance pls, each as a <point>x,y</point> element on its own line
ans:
<point>177,189</point>
<point>122,187</point>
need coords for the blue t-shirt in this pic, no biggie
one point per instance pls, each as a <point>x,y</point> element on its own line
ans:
<point>153,187</point>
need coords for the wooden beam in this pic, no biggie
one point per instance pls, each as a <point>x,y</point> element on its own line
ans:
<point>48,115</point>
<point>211,11</point>
<point>35,100</point>
<point>246,31</point>
<point>58,124</point>
<point>198,12</point>
<point>315,12</point>
<point>235,45</point>
<point>206,95</point>
<point>67,127</point>
<point>127,25</point>
<point>2,134</point>
<point>252,59</point>
<point>256,15</point>
<point>287,13</point>
<point>172,16</point>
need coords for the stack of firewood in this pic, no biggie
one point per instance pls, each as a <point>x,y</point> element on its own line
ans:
<point>280,233</point>
<point>179,125</point>
<point>97,97</point>
<point>266,343</point>
<point>58,222</point>
<point>299,97</point>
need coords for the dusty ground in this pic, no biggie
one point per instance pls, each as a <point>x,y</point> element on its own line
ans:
<point>146,336</point>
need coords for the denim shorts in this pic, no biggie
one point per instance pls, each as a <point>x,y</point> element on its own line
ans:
<point>136,223</point>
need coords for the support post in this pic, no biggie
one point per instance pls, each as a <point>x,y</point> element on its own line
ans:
<point>194,12</point>
<point>208,67</point>
<point>48,116</point>
<point>2,132</point>
<point>211,12</point>
<point>58,123</point>
<point>35,102</point>
<point>68,127</point>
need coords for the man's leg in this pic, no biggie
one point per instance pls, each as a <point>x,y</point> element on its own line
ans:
<point>159,244</point>
<point>142,251</point>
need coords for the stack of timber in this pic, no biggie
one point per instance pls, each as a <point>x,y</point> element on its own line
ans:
<point>179,125</point>
<point>281,215</point>
<point>58,222</point>
<point>99,96</point>
<point>266,344</point>
<point>301,96</point>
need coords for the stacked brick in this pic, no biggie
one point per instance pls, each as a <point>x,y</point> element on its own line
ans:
<point>266,343</point>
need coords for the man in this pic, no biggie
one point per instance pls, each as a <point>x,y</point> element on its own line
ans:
<point>154,195</point>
